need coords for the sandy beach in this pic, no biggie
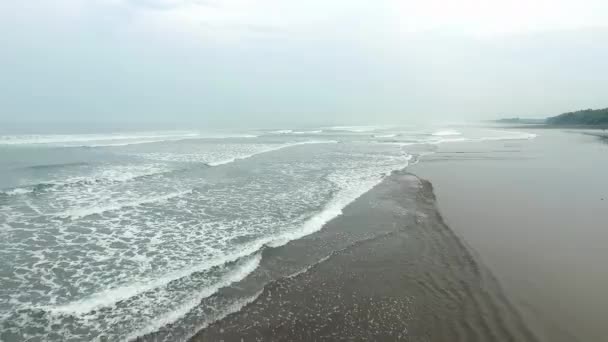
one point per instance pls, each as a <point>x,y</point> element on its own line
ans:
<point>535,213</point>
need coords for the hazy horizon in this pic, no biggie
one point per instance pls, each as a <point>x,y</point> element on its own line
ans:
<point>272,63</point>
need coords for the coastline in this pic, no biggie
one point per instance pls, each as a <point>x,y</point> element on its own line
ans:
<point>390,268</point>
<point>403,275</point>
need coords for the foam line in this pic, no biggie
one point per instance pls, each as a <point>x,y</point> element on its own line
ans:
<point>84,212</point>
<point>233,276</point>
<point>280,147</point>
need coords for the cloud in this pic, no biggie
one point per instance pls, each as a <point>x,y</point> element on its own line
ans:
<point>155,4</point>
<point>170,4</point>
<point>314,58</point>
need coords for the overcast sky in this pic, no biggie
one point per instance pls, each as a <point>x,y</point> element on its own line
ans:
<point>280,62</point>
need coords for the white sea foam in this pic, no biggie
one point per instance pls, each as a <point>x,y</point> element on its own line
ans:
<point>79,213</point>
<point>449,140</point>
<point>92,178</point>
<point>114,295</point>
<point>224,153</point>
<point>234,276</point>
<point>18,191</point>
<point>308,132</point>
<point>309,267</point>
<point>124,173</point>
<point>351,189</point>
<point>96,139</point>
<point>354,129</point>
<point>385,135</point>
<point>115,173</point>
<point>270,149</point>
<point>446,133</point>
<point>234,307</point>
<point>113,139</point>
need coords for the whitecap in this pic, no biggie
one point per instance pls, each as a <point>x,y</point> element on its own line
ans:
<point>79,213</point>
<point>446,133</point>
<point>234,276</point>
<point>308,132</point>
<point>271,149</point>
<point>18,191</point>
<point>354,129</point>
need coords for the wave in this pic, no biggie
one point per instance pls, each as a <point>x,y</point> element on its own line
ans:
<point>446,133</point>
<point>308,132</point>
<point>117,294</point>
<point>289,131</point>
<point>332,210</point>
<point>28,189</point>
<point>127,143</point>
<point>276,148</point>
<point>149,141</point>
<point>95,139</point>
<point>113,139</point>
<point>84,212</point>
<point>233,308</point>
<point>315,223</point>
<point>116,174</point>
<point>17,191</point>
<point>55,166</point>
<point>111,297</point>
<point>234,276</point>
<point>239,305</point>
<point>227,135</point>
<point>448,139</point>
<point>385,135</point>
<point>354,129</point>
<point>119,174</point>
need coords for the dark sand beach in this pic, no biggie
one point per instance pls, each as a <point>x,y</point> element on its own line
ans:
<point>406,277</point>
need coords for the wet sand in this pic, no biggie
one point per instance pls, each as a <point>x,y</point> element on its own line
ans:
<point>406,277</point>
<point>536,213</point>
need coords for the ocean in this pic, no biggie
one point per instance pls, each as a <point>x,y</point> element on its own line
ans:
<point>115,236</point>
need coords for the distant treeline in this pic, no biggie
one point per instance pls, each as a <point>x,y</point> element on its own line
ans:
<point>587,117</point>
<point>522,121</point>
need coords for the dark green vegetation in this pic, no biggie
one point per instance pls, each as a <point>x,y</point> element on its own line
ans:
<point>587,117</point>
<point>590,118</point>
<point>522,121</point>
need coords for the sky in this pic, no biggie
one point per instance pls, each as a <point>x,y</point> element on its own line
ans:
<point>282,62</point>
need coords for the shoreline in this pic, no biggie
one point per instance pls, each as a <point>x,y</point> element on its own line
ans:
<point>430,283</point>
<point>392,242</point>
<point>552,127</point>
